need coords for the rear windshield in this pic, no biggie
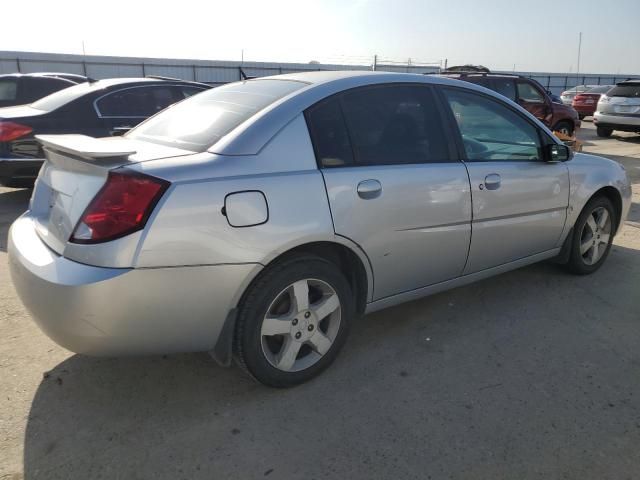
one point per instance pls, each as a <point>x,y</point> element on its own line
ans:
<point>602,89</point>
<point>8,88</point>
<point>64,96</point>
<point>631,90</point>
<point>201,120</point>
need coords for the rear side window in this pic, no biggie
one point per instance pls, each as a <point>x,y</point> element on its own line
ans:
<point>136,101</point>
<point>491,131</point>
<point>506,87</point>
<point>397,124</point>
<point>329,134</point>
<point>629,91</point>
<point>528,93</point>
<point>201,120</point>
<point>8,88</point>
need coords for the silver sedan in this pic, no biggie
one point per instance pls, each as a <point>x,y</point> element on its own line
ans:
<point>255,220</point>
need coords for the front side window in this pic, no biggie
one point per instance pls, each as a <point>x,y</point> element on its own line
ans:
<point>528,93</point>
<point>397,124</point>
<point>491,131</point>
<point>136,101</point>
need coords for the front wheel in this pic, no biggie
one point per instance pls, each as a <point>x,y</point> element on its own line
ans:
<point>566,128</point>
<point>293,321</point>
<point>604,132</point>
<point>592,236</point>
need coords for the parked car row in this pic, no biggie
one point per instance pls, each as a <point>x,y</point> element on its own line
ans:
<point>257,219</point>
<point>95,108</point>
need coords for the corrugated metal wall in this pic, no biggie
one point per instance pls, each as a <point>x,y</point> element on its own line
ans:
<point>218,72</point>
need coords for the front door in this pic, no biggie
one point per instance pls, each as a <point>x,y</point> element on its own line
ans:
<point>393,184</point>
<point>519,200</point>
<point>533,100</point>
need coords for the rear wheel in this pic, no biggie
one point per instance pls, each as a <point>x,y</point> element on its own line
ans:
<point>592,236</point>
<point>604,132</point>
<point>566,128</point>
<point>293,321</point>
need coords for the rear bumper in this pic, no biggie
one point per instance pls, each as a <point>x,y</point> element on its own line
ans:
<point>585,109</point>
<point>617,122</point>
<point>19,171</point>
<point>112,311</point>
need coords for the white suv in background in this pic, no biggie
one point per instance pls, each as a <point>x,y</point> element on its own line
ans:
<point>619,109</point>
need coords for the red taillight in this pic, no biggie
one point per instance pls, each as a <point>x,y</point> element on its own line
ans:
<point>10,131</point>
<point>122,206</point>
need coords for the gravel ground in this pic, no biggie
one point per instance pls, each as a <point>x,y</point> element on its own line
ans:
<point>531,374</point>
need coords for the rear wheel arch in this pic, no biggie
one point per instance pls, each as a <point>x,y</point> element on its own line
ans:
<point>350,263</point>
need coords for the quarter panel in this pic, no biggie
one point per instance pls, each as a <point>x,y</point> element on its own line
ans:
<point>190,228</point>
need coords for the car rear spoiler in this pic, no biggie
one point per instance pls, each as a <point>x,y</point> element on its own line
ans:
<point>88,148</point>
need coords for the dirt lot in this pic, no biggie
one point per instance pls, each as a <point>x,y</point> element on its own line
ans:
<point>532,374</point>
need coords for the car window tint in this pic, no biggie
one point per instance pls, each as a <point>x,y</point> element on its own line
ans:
<point>200,121</point>
<point>506,87</point>
<point>329,134</point>
<point>136,102</point>
<point>34,88</point>
<point>188,91</point>
<point>629,90</point>
<point>396,124</point>
<point>528,93</point>
<point>492,131</point>
<point>8,88</point>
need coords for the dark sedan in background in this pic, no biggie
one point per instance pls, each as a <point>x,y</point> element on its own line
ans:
<point>22,88</point>
<point>98,109</point>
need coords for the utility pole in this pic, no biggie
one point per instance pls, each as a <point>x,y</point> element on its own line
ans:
<point>579,49</point>
<point>375,63</point>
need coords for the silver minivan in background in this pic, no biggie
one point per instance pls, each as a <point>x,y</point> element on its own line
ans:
<point>256,219</point>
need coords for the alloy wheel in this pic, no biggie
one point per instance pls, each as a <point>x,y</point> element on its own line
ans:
<point>300,325</point>
<point>595,236</point>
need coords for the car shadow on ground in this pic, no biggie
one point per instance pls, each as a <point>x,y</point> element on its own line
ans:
<point>12,204</point>
<point>487,356</point>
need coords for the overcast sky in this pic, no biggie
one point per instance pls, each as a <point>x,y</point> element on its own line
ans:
<point>533,35</point>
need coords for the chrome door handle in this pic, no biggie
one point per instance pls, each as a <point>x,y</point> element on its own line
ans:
<point>368,189</point>
<point>492,181</point>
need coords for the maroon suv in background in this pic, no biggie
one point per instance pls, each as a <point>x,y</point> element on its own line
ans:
<point>529,94</point>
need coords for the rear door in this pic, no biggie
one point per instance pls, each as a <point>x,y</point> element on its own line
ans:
<point>121,110</point>
<point>394,186</point>
<point>519,200</point>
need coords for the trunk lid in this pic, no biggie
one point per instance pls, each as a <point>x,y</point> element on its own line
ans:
<point>75,169</point>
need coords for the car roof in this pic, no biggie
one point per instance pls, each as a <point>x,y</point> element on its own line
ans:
<point>249,137</point>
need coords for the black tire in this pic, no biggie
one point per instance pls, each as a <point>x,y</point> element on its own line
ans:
<point>604,132</point>
<point>272,281</point>
<point>581,116</point>
<point>577,263</point>
<point>565,127</point>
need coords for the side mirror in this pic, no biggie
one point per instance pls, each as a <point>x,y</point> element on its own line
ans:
<point>558,153</point>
